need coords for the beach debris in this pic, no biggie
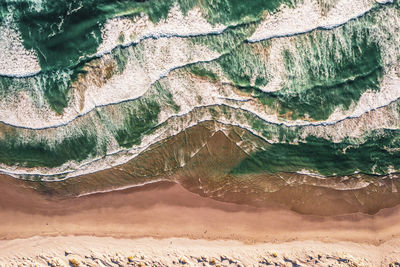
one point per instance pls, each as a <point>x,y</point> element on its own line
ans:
<point>289,262</point>
<point>265,261</point>
<point>131,258</point>
<point>74,263</point>
<point>212,261</point>
<point>226,258</point>
<point>51,261</point>
<point>115,260</point>
<point>67,252</point>
<point>183,260</point>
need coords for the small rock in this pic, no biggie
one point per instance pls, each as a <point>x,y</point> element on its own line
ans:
<point>74,262</point>
<point>212,261</point>
<point>182,260</point>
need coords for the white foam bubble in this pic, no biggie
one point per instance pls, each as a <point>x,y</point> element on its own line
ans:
<point>15,59</point>
<point>308,16</point>
<point>124,31</point>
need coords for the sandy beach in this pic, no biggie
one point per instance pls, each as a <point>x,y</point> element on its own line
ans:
<point>200,133</point>
<point>165,210</point>
<point>163,221</point>
<point>106,251</point>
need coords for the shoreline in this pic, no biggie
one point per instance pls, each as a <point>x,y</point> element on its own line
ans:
<point>164,224</point>
<point>167,210</point>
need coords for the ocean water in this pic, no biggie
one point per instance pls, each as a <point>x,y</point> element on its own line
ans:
<point>314,75</point>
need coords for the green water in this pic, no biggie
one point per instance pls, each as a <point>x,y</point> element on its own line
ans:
<point>228,40</point>
<point>80,140</point>
<point>234,11</point>
<point>331,75</point>
<point>52,85</point>
<point>243,63</point>
<point>137,123</point>
<point>374,156</point>
<point>141,116</point>
<point>62,32</point>
<point>41,153</point>
<point>201,71</point>
<point>65,33</point>
<point>322,71</point>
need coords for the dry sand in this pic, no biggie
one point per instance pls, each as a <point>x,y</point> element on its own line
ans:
<point>166,211</point>
<point>106,251</point>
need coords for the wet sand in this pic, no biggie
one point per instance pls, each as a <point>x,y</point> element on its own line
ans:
<point>165,210</point>
<point>39,229</point>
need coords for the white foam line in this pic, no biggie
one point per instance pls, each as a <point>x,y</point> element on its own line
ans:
<point>78,170</point>
<point>121,188</point>
<point>137,150</point>
<point>16,61</point>
<point>121,160</point>
<point>111,103</point>
<point>313,174</point>
<point>162,75</point>
<point>139,28</point>
<point>188,107</point>
<point>308,17</point>
<point>157,37</point>
<point>19,76</point>
<point>385,100</point>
